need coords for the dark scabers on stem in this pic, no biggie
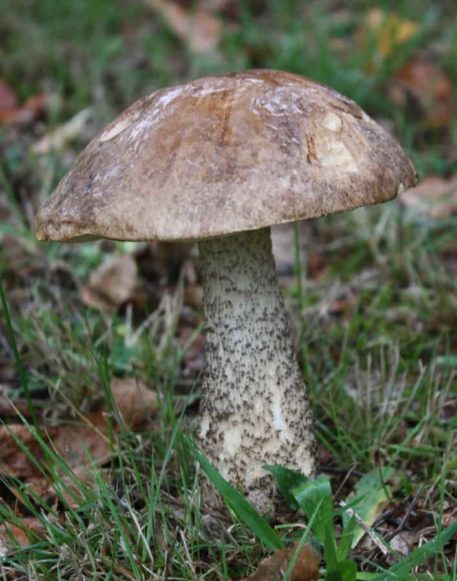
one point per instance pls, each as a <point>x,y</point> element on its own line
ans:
<point>254,406</point>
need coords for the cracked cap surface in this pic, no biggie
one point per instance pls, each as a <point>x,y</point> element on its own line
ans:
<point>225,154</point>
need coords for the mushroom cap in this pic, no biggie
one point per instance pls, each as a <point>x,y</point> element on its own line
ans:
<point>225,154</point>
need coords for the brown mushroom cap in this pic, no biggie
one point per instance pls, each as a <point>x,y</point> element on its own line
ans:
<point>225,154</point>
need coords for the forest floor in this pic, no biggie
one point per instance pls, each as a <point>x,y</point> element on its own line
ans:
<point>101,343</point>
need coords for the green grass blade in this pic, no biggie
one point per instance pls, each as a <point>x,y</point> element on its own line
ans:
<point>299,548</point>
<point>287,479</point>
<point>316,495</point>
<point>418,556</point>
<point>345,571</point>
<point>17,358</point>
<point>346,540</point>
<point>240,506</point>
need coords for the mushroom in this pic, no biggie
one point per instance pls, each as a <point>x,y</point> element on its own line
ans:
<point>219,160</point>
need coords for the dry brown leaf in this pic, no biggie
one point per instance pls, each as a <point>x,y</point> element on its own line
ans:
<point>423,87</point>
<point>403,543</point>
<point>9,533</point>
<point>384,31</point>
<point>59,137</point>
<point>77,443</point>
<point>273,568</point>
<point>112,284</point>
<point>344,306</point>
<point>135,401</point>
<point>32,109</point>
<point>10,408</point>
<point>36,105</point>
<point>8,101</point>
<point>318,265</point>
<point>12,460</point>
<point>69,489</point>
<point>197,28</point>
<point>434,196</point>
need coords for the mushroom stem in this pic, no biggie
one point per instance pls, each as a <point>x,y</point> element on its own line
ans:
<point>254,406</point>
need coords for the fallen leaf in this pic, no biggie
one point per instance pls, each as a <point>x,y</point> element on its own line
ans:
<point>36,105</point>
<point>318,265</point>
<point>434,196</point>
<point>8,101</point>
<point>197,28</point>
<point>423,88</point>
<point>12,460</point>
<point>382,33</point>
<point>135,401</point>
<point>11,534</point>
<point>77,443</point>
<point>59,137</point>
<point>74,443</point>
<point>403,543</point>
<point>344,306</point>
<point>112,284</point>
<point>306,567</point>
<point>10,408</point>
<point>65,488</point>
<point>32,109</point>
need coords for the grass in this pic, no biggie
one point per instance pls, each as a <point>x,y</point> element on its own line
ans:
<point>375,296</point>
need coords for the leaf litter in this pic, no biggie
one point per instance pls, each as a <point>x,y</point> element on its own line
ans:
<point>434,196</point>
<point>425,90</point>
<point>273,568</point>
<point>81,446</point>
<point>420,523</point>
<point>112,284</point>
<point>11,113</point>
<point>382,33</point>
<point>198,28</point>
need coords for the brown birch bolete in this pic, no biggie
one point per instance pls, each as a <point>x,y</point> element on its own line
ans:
<point>220,160</point>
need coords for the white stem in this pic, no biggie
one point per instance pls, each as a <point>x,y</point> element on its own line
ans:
<point>254,406</point>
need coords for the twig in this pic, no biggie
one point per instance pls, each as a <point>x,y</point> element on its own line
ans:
<point>377,540</point>
<point>345,471</point>
<point>407,513</point>
<point>9,407</point>
<point>348,474</point>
